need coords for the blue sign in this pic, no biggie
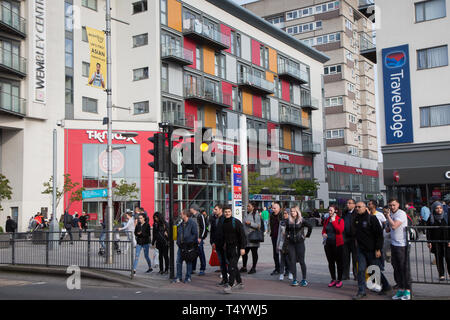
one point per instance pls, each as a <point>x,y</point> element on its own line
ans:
<point>237,179</point>
<point>397,95</point>
<point>96,193</point>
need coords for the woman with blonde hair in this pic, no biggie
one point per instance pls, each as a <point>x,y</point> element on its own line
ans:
<point>295,235</point>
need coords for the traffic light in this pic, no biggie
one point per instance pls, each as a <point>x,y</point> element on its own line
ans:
<point>204,155</point>
<point>158,152</point>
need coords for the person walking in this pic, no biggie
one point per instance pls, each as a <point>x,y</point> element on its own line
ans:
<point>202,234</point>
<point>10,225</point>
<point>67,220</point>
<point>160,241</point>
<point>252,223</point>
<point>275,219</point>
<point>142,233</point>
<point>332,233</point>
<point>129,227</point>
<point>187,238</point>
<point>295,236</point>
<point>424,216</point>
<point>369,240</point>
<point>441,250</point>
<point>397,224</point>
<point>83,222</point>
<point>265,219</point>
<point>234,242</point>
<point>349,241</point>
<point>76,224</point>
<point>217,241</point>
<point>282,247</point>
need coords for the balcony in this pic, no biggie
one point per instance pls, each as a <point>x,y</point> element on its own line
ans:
<point>176,53</point>
<point>179,119</point>
<point>12,63</point>
<point>294,119</point>
<point>12,22</point>
<point>367,8</point>
<point>367,46</point>
<point>12,104</point>
<point>198,31</point>
<point>314,148</point>
<point>257,85</point>
<point>207,95</point>
<point>307,102</point>
<point>292,73</point>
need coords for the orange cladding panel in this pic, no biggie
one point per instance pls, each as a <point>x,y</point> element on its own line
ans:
<point>209,60</point>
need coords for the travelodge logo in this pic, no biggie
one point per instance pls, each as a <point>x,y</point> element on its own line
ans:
<point>395,60</point>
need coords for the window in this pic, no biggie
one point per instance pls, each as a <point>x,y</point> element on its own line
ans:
<point>139,6</point>
<point>139,74</point>
<point>335,101</point>
<point>333,69</point>
<point>276,20</point>
<point>140,40</point>
<point>348,55</point>
<point>198,58</point>
<point>352,118</point>
<point>165,77</point>
<point>335,134</point>
<point>348,24</point>
<point>435,116</point>
<point>89,105</point>
<point>220,69</point>
<point>235,43</point>
<point>266,108</point>
<point>164,12</point>
<point>432,57</point>
<point>277,87</point>
<point>172,107</point>
<point>353,151</point>
<point>84,36</point>
<point>85,69</point>
<point>235,98</point>
<point>69,89</point>
<point>91,4</point>
<point>141,107</point>
<point>328,38</point>
<point>264,57</point>
<point>351,87</point>
<point>68,14</point>
<point>221,121</point>
<point>69,53</point>
<point>429,10</point>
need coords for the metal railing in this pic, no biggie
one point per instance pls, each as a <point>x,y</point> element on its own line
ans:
<point>85,249</point>
<point>291,117</point>
<point>198,27</point>
<point>179,119</point>
<point>367,41</point>
<point>13,61</point>
<point>200,91</point>
<point>287,68</point>
<point>365,3</point>
<point>178,51</point>
<point>12,103</point>
<point>12,19</point>
<point>311,147</point>
<point>307,101</point>
<point>249,79</point>
<point>425,266</point>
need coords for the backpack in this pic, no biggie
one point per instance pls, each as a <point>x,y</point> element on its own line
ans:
<point>412,232</point>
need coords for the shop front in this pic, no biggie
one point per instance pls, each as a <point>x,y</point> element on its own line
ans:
<point>87,163</point>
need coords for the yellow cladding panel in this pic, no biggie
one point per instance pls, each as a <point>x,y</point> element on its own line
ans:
<point>210,117</point>
<point>269,76</point>
<point>209,60</point>
<point>174,15</point>
<point>247,101</point>
<point>273,65</point>
<point>305,115</point>
<point>287,139</point>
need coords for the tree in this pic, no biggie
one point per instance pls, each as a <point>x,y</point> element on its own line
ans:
<point>5,189</point>
<point>125,191</point>
<point>273,184</point>
<point>69,186</point>
<point>305,187</point>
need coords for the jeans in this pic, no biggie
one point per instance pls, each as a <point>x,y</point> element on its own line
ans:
<point>297,254</point>
<point>266,225</point>
<point>102,239</point>
<point>146,248</point>
<point>201,256</point>
<point>334,256</point>
<point>276,255</point>
<point>400,263</point>
<point>223,263</point>
<point>349,252</point>
<point>69,231</point>
<point>232,255</point>
<point>180,266</point>
<point>284,262</point>
<point>365,259</point>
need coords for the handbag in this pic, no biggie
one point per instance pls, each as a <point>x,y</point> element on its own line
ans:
<point>214,259</point>
<point>256,236</point>
<point>189,252</point>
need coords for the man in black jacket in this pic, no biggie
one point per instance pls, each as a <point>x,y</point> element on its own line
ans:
<point>234,246</point>
<point>11,225</point>
<point>216,239</point>
<point>67,220</point>
<point>369,240</point>
<point>275,219</point>
<point>201,225</point>
<point>349,250</point>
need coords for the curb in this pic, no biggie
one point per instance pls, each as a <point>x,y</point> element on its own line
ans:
<point>87,273</point>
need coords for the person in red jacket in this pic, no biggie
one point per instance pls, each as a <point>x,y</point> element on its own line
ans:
<point>333,239</point>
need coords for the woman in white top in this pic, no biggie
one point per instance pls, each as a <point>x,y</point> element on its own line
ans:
<point>130,228</point>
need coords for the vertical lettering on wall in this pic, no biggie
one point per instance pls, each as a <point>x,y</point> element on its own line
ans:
<point>39,51</point>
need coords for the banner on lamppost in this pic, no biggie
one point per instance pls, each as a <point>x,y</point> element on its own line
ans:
<point>236,187</point>
<point>98,67</point>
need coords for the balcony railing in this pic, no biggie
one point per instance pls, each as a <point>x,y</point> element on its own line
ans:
<point>306,101</point>
<point>289,70</point>
<point>13,104</point>
<point>179,119</point>
<point>294,118</point>
<point>13,62</point>
<point>309,146</point>
<point>12,20</point>
<point>256,83</point>
<point>175,52</point>
<point>366,3</point>
<point>198,29</point>
<point>367,46</point>
<point>209,95</point>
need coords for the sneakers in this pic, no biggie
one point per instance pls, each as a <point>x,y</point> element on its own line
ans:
<point>227,289</point>
<point>252,270</point>
<point>332,283</point>
<point>238,286</point>
<point>304,283</point>
<point>274,272</point>
<point>294,283</point>
<point>176,281</point>
<point>398,295</point>
<point>222,283</point>
<point>243,269</point>
<point>291,276</point>
<point>406,295</point>
<point>339,284</point>
<point>359,296</point>
<point>281,277</point>
<point>149,270</point>
<point>188,280</point>
<point>201,273</point>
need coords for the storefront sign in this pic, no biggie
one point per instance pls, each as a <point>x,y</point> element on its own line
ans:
<point>96,193</point>
<point>225,147</point>
<point>397,95</point>
<point>118,161</point>
<point>283,157</point>
<point>236,186</point>
<point>436,193</point>
<point>101,136</point>
<point>93,216</point>
<point>39,45</point>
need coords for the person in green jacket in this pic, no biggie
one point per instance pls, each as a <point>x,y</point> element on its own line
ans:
<point>265,218</point>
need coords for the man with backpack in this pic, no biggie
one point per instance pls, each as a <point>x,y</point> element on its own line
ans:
<point>202,234</point>
<point>234,247</point>
<point>67,220</point>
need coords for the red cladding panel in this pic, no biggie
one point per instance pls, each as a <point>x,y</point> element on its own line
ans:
<point>285,91</point>
<point>257,106</point>
<point>256,57</point>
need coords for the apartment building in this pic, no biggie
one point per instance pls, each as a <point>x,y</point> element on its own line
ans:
<point>412,48</point>
<point>193,63</point>
<point>343,31</point>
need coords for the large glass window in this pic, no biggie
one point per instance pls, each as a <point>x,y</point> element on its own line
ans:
<point>429,10</point>
<point>91,4</point>
<point>220,70</point>
<point>165,77</point>
<point>9,96</point>
<point>435,116</point>
<point>164,12</point>
<point>89,105</point>
<point>432,57</point>
<point>139,6</point>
